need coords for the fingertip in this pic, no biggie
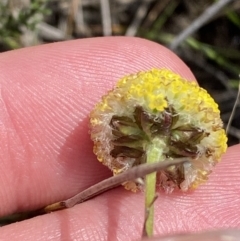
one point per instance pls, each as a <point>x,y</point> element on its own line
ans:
<point>48,98</point>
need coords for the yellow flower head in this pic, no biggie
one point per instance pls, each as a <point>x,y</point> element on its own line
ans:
<point>158,111</point>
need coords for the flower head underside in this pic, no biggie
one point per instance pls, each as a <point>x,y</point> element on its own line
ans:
<point>159,109</point>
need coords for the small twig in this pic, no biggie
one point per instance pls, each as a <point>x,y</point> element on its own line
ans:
<point>79,19</point>
<point>140,15</point>
<point>234,132</point>
<point>112,182</point>
<point>154,12</point>
<point>199,22</point>
<point>106,17</point>
<point>233,110</point>
<point>49,32</point>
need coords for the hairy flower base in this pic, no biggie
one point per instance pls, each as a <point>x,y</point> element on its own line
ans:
<point>158,110</point>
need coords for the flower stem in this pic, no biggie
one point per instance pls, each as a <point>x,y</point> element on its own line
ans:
<point>149,207</point>
<point>153,155</point>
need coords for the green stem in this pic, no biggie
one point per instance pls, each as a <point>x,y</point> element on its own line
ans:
<point>154,154</point>
<point>149,207</point>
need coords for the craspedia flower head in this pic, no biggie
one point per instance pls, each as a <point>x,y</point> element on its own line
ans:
<point>159,109</point>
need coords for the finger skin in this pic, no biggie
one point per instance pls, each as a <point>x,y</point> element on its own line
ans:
<point>118,214</point>
<point>46,155</point>
<point>47,93</point>
<point>219,235</point>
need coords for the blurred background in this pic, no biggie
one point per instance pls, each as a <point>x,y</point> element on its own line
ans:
<point>204,33</point>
